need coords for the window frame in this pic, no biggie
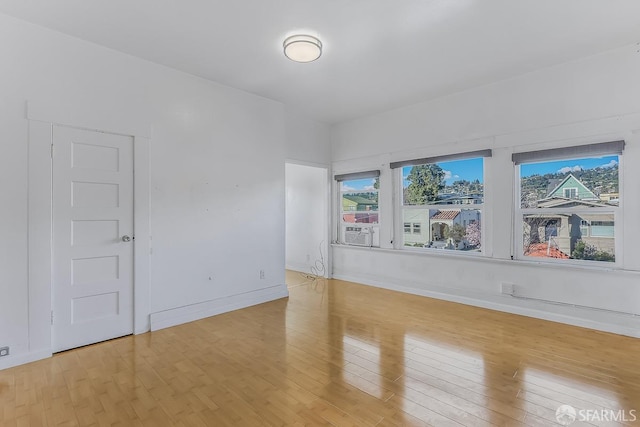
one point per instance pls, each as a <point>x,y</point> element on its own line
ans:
<point>399,207</point>
<point>616,211</point>
<point>374,228</point>
<point>573,190</point>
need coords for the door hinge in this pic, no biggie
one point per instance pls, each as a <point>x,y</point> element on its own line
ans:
<point>52,317</point>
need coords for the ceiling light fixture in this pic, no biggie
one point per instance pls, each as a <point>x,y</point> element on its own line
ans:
<point>302,48</point>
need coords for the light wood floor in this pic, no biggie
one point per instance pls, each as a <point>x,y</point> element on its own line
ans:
<point>334,353</point>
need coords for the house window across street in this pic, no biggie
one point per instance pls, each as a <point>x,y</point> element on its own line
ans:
<point>417,228</point>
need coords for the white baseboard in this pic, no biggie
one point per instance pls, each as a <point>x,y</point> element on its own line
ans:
<point>20,359</point>
<point>577,316</point>
<point>190,313</point>
<point>297,266</point>
<point>302,268</point>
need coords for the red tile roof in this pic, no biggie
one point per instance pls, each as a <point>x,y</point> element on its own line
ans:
<point>445,215</point>
<point>540,250</point>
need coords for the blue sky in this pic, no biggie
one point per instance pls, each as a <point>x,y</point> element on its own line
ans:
<point>564,166</point>
<point>456,170</point>
<point>471,169</point>
<point>358,184</point>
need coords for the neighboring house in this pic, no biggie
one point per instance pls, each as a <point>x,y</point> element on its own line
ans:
<point>422,226</point>
<point>570,188</point>
<point>416,226</point>
<point>442,220</point>
<point>561,231</point>
<point>594,229</point>
<point>359,209</point>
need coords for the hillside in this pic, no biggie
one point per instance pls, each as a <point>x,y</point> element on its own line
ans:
<point>598,180</point>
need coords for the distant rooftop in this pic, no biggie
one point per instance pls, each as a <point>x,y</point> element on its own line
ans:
<point>539,250</point>
<point>446,215</point>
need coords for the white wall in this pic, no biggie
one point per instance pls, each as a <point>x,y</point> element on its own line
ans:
<point>216,173</point>
<point>306,217</point>
<point>308,153</point>
<point>595,99</point>
<point>307,141</point>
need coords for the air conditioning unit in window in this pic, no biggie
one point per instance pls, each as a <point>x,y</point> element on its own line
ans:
<point>359,236</point>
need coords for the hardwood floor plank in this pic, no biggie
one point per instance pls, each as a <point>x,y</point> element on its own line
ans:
<point>333,354</point>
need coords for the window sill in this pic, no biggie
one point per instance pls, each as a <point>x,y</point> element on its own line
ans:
<point>480,257</point>
<point>418,251</point>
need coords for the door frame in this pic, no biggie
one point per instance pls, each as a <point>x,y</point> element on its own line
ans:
<point>328,274</point>
<point>41,119</point>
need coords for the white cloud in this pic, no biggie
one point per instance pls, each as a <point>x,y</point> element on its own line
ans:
<point>567,169</point>
<point>372,186</point>
<point>456,176</point>
<point>611,164</point>
<point>347,188</point>
<point>447,175</point>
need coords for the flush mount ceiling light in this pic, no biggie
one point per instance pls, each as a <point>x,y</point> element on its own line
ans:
<point>302,48</point>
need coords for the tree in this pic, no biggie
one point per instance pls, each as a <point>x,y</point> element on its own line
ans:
<point>584,250</point>
<point>473,235</point>
<point>534,226</point>
<point>457,233</point>
<point>425,181</point>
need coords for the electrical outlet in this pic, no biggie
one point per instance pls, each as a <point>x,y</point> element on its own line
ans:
<point>4,351</point>
<point>262,274</point>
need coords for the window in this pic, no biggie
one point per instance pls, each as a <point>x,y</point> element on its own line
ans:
<point>602,229</point>
<point>442,197</point>
<point>584,228</point>
<point>570,193</point>
<point>359,210</point>
<point>569,202</point>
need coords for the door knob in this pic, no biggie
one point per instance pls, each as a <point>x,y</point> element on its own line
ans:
<point>126,238</point>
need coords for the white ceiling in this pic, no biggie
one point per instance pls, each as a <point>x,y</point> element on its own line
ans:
<point>378,54</point>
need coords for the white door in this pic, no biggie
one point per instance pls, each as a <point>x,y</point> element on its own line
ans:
<point>92,237</point>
